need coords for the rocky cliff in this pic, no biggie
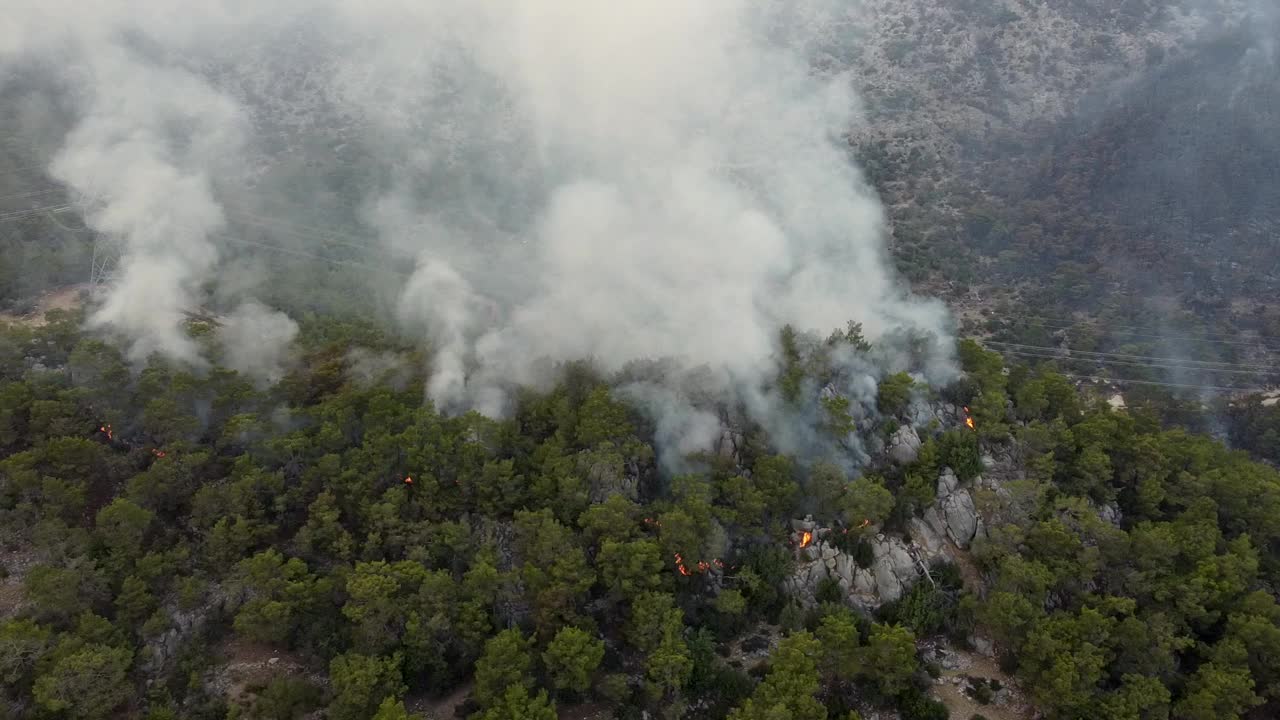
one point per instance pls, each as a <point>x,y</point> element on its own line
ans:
<point>895,562</point>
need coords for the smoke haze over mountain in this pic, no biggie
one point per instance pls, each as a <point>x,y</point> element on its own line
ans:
<point>565,178</point>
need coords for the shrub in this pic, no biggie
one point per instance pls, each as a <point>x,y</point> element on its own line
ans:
<point>915,705</point>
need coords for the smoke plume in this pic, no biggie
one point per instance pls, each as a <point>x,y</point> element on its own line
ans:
<point>568,178</point>
<point>255,341</point>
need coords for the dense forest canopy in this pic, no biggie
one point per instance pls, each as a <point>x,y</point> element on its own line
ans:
<point>158,524</point>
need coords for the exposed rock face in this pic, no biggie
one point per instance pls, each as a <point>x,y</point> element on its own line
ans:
<point>935,414</point>
<point>904,445</point>
<point>947,482</point>
<point>953,514</point>
<point>962,518</point>
<point>893,570</point>
<point>162,650</point>
<point>608,476</point>
<point>729,446</point>
<point>1111,513</point>
<point>932,544</point>
<point>983,646</point>
<point>951,522</point>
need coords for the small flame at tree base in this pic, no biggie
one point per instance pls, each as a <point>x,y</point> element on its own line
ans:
<point>680,566</point>
<point>107,429</point>
<point>408,480</point>
<point>806,539</point>
<point>702,567</point>
<point>968,419</point>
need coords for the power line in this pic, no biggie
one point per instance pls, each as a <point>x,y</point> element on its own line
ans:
<point>1133,331</point>
<point>32,193</point>
<point>264,246</point>
<point>1254,373</point>
<point>1117,381</point>
<point>301,231</point>
<point>20,214</point>
<point>1088,320</point>
<point>311,256</point>
<point>13,171</point>
<point>1090,354</point>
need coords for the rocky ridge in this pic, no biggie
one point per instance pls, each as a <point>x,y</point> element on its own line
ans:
<point>896,563</point>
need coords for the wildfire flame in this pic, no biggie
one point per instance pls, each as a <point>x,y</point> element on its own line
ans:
<point>408,480</point>
<point>158,453</point>
<point>702,566</point>
<point>968,419</point>
<point>107,429</point>
<point>865,523</point>
<point>680,566</point>
<point>806,538</point>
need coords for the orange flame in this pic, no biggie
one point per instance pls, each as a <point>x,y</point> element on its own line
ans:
<point>865,523</point>
<point>680,566</point>
<point>158,453</point>
<point>806,538</point>
<point>969,423</point>
<point>702,567</point>
<point>107,429</point>
<point>408,480</point>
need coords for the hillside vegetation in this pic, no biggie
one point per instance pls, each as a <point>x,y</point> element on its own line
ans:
<point>153,523</point>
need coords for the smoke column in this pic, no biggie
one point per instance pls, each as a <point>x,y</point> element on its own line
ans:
<point>572,178</point>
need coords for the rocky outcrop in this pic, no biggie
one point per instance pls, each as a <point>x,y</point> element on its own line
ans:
<point>931,543</point>
<point>729,446</point>
<point>1110,513</point>
<point>936,415</point>
<point>953,514</point>
<point>904,445</point>
<point>162,650</point>
<point>608,475</point>
<point>894,569</point>
<point>952,521</point>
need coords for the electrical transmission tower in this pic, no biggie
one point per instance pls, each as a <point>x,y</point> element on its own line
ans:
<point>104,258</point>
<point>102,267</point>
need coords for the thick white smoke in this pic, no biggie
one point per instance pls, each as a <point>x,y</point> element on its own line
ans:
<point>256,339</point>
<point>613,180</point>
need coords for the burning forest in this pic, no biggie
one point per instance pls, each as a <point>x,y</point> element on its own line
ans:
<point>541,357</point>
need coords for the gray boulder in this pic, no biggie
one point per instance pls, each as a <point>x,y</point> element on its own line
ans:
<point>953,514</point>
<point>894,569</point>
<point>962,517</point>
<point>1111,513</point>
<point>803,583</point>
<point>608,476</point>
<point>904,445</point>
<point>846,571</point>
<point>931,541</point>
<point>947,482</point>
